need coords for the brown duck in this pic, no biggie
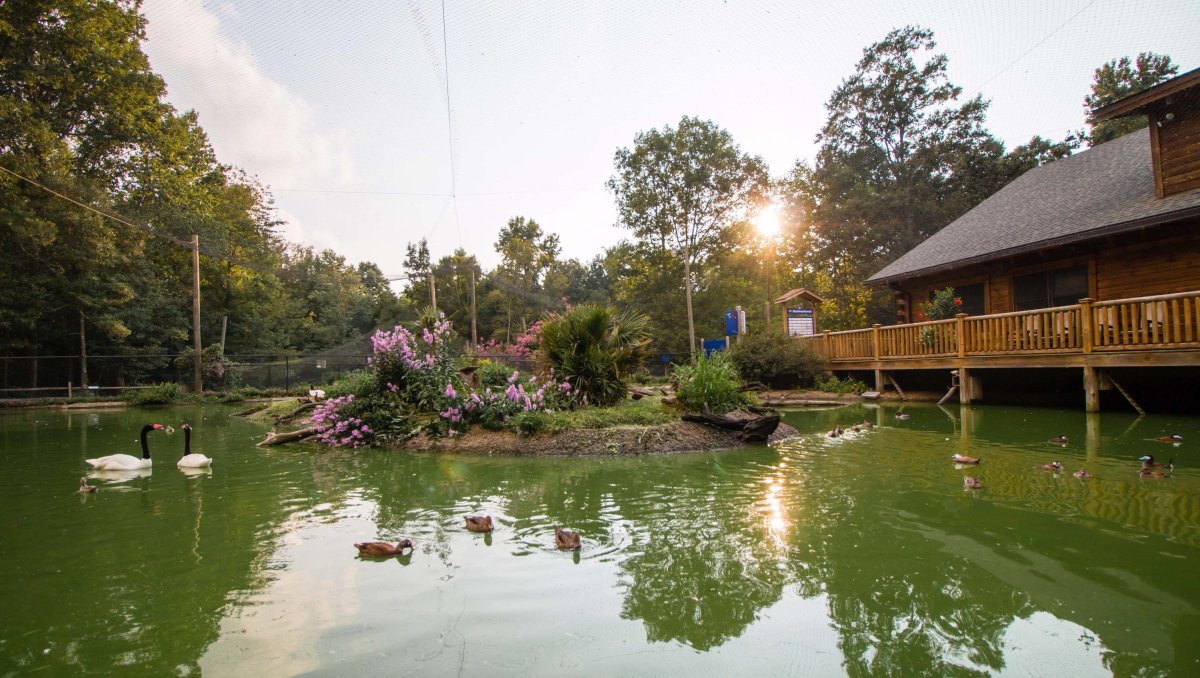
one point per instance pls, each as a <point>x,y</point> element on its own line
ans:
<point>1059,440</point>
<point>566,539</point>
<point>479,523</point>
<point>1053,466</point>
<point>84,488</point>
<point>1148,469</point>
<point>972,483</point>
<point>1082,474</point>
<point>382,549</point>
<point>1173,438</point>
<point>964,459</point>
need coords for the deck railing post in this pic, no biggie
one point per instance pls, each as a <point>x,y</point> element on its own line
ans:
<point>960,331</point>
<point>875,340</point>
<point>1085,321</point>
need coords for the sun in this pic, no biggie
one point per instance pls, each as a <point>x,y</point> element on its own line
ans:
<point>766,221</point>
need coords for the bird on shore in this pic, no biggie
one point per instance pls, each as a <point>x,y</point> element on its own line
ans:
<point>382,549</point>
<point>971,483</point>
<point>566,539</point>
<point>1059,440</point>
<point>479,523</point>
<point>1054,466</point>
<point>1082,474</point>
<point>1173,438</point>
<point>84,488</point>
<point>315,393</point>
<point>964,459</point>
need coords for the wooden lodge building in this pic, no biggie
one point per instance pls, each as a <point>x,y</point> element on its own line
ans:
<point>1090,263</point>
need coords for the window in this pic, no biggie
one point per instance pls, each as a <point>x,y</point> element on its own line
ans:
<point>1060,287</point>
<point>972,298</point>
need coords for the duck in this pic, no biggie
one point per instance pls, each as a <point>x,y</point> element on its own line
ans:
<point>901,415</point>
<point>1053,466</point>
<point>836,432</point>
<point>1059,440</point>
<point>126,462</point>
<point>867,425</point>
<point>1082,474</point>
<point>191,459</point>
<point>1173,438</point>
<point>84,488</point>
<point>566,539</point>
<point>964,459</point>
<point>1148,467</point>
<point>382,549</point>
<point>971,483</point>
<point>479,523</point>
<point>855,428</point>
<point>168,430</point>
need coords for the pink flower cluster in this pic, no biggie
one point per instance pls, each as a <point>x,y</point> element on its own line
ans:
<point>334,429</point>
<point>402,344</point>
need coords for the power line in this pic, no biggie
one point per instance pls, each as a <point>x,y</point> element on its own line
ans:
<point>1035,46</point>
<point>450,123</point>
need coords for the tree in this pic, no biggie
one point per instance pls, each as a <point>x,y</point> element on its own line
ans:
<point>678,189</point>
<point>1118,79</point>
<point>526,254</point>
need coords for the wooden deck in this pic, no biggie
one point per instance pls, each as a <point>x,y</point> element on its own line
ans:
<point>1157,331</point>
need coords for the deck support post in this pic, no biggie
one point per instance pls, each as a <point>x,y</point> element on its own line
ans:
<point>879,384</point>
<point>964,386</point>
<point>1091,388</point>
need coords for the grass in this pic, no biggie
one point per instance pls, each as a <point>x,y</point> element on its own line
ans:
<point>644,412</point>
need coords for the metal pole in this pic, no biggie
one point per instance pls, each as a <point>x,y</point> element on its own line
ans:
<point>197,382</point>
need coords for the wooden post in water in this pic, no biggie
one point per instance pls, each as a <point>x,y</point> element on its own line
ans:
<point>197,382</point>
<point>1091,389</point>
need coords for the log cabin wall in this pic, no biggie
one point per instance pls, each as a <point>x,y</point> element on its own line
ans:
<point>1175,143</point>
<point>1162,260</point>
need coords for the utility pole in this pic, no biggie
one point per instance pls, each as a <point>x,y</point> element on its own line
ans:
<point>83,381</point>
<point>224,326</point>
<point>474,331</point>
<point>197,382</point>
<point>432,292</point>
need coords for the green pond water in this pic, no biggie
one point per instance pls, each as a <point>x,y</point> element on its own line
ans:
<point>857,556</point>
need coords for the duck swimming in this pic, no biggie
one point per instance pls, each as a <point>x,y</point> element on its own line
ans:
<point>972,483</point>
<point>566,539</point>
<point>1053,466</point>
<point>382,549</point>
<point>867,425</point>
<point>964,459</point>
<point>1173,438</point>
<point>1082,474</point>
<point>1059,440</point>
<point>479,523</point>
<point>836,432</point>
<point>1148,467</point>
<point>84,488</point>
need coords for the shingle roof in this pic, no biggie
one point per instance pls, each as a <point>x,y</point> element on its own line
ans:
<point>1106,189</point>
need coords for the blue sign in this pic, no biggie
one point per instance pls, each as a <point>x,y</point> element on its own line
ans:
<point>731,323</point>
<point>711,345</point>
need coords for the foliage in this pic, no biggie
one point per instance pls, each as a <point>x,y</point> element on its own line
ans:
<point>158,394</point>
<point>710,384</point>
<point>356,381</point>
<point>1118,79</point>
<point>594,348</point>
<point>942,306</point>
<point>678,189</point>
<point>832,384</point>
<point>416,369</point>
<point>776,360</point>
<point>216,371</point>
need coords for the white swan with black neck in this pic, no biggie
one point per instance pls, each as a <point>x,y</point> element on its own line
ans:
<point>191,459</point>
<point>126,462</point>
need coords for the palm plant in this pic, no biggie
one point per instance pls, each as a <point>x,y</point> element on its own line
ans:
<point>594,347</point>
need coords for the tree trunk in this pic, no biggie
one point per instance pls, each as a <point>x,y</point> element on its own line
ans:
<point>687,288</point>
<point>289,437</point>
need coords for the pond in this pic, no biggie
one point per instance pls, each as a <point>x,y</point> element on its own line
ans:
<point>854,556</point>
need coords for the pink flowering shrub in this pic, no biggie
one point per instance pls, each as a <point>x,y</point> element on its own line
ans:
<point>494,407</point>
<point>337,425</point>
<point>415,367</point>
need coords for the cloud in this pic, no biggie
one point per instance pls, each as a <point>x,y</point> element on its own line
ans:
<point>253,121</point>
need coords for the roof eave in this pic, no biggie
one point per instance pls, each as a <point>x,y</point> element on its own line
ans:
<point>1114,229</point>
<point>1134,104</point>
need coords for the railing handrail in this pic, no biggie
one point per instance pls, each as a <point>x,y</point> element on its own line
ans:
<point>1142,300</point>
<point>1014,314</point>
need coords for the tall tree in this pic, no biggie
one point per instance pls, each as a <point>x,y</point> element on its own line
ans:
<point>679,188</point>
<point>1118,79</point>
<point>526,254</point>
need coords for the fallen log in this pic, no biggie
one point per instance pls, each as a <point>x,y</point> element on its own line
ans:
<point>274,438</point>
<point>774,402</point>
<point>753,430</point>
<point>639,392</point>
<point>250,410</point>
<point>284,418</point>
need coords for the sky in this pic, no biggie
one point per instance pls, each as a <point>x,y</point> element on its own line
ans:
<point>376,124</point>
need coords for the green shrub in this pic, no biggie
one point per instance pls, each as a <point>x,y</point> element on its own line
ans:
<point>358,382</point>
<point>710,385</point>
<point>594,348</point>
<point>776,360</point>
<point>158,394</point>
<point>492,374</point>
<point>832,384</point>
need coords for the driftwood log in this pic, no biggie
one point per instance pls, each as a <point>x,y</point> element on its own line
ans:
<point>802,401</point>
<point>250,410</point>
<point>639,392</point>
<point>274,438</point>
<point>284,418</point>
<point>754,430</point>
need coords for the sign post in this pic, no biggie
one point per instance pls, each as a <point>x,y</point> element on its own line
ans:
<point>800,312</point>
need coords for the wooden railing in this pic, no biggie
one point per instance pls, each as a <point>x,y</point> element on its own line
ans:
<point>1158,322</point>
